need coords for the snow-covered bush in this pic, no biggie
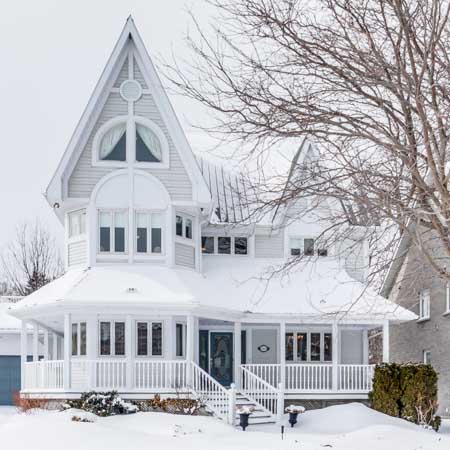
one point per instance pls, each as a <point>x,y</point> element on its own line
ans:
<point>102,404</point>
<point>185,406</point>
<point>295,409</point>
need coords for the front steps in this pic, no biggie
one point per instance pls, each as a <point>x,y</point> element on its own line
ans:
<point>258,417</point>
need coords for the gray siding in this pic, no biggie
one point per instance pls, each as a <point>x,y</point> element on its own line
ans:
<point>76,253</point>
<point>409,340</point>
<point>269,246</point>
<point>184,255</point>
<point>355,262</point>
<point>123,74</point>
<point>351,347</point>
<point>138,75</point>
<point>84,177</point>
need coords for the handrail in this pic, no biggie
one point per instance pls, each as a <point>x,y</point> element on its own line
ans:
<point>262,392</point>
<point>216,397</point>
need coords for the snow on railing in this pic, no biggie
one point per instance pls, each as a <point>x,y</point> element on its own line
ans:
<point>10,298</point>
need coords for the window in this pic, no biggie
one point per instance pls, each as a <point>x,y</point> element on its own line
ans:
<point>240,246</point>
<point>448,299</point>
<point>113,144</point>
<point>308,247</point>
<point>148,145</point>
<point>309,346</point>
<point>424,304</point>
<point>322,252</point>
<point>112,338</point>
<point>224,245</point>
<point>296,246</point>
<point>112,231</point>
<point>79,339</point>
<point>183,227</point>
<point>427,357</point>
<point>180,332</point>
<point>77,223</point>
<point>149,232</point>
<point>208,244</point>
<point>149,338</point>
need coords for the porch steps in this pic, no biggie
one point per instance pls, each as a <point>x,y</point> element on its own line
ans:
<point>258,417</point>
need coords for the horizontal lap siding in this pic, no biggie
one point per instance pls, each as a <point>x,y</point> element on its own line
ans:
<point>269,246</point>
<point>184,255</point>
<point>138,75</point>
<point>85,176</point>
<point>123,75</point>
<point>77,253</point>
<point>175,179</point>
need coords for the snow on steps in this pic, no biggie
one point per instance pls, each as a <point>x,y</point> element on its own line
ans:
<point>258,417</point>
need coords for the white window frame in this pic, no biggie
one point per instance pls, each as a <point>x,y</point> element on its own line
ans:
<point>112,323</point>
<point>232,244</point>
<point>427,356</point>
<point>78,350</point>
<point>80,217</point>
<point>112,231</point>
<point>149,214</point>
<point>308,333</point>
<point>150,338</point>
<point>183,341</point>
<point>184,217</point>
<point>447,299</point>
<point>424,305</point>
<point>317,247</point>
<point>130,158</point>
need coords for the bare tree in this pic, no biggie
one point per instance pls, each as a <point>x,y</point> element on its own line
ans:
<point>31,260</point>
<point>367,81</point>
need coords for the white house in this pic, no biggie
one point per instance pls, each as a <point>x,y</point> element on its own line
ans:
<point>162,292</point>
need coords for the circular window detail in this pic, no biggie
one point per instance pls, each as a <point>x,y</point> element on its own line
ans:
<point>263,348</point>
<point>130,90</point>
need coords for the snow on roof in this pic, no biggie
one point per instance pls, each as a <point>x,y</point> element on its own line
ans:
<point>233,284</point>
<point>8,322</point>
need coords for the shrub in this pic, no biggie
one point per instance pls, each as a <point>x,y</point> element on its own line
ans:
<point>26,404</point>
<point>102,404</point>
<point>408,391</point>
<point>185,406</point>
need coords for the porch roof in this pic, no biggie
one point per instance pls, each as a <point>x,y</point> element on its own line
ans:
<point>239,285</point>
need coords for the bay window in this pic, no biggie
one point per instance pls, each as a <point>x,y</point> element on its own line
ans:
<point>79,339</point>
<point>112,231</point>
<point>149,232</point>
<point>149,338</point>
<point>112,338</point>
<point>313,346</point>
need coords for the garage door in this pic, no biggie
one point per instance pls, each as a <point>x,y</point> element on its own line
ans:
<point>9,378</point>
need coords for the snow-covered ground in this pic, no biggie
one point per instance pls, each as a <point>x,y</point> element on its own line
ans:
<point>348,427</point>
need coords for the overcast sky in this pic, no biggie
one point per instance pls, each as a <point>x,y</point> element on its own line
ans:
<point>53,52</point>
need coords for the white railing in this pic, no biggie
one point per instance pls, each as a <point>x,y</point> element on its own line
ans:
<point>262,392</point>
<point>355,377</point>
<point>219,400</point>
<point>164,375</point>
<point>45,375</point>
<point>312,378</point>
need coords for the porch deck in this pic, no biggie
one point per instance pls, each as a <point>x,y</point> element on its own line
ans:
<point>163,376</point>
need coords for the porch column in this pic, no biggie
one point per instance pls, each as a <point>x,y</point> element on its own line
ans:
<point>189,346</point>
<point>46,345</point>
<point>386,341</point>
<point>282,352</point>
<point>91,350</point>
<point>365,347</point>
<point>23,352</point>
<point>129,353</point>
<point>35,342</point>
<point>171,338</point>
<point>335,355</point>
<point>237,354</point>
<point>55,346</point>
<point>67,350</point>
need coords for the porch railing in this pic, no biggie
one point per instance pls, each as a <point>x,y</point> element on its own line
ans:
<point>153,375</point>
<point>315,378</point>
<point>44,375</point>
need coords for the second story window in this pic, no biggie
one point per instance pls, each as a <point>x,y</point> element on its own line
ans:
<point>225,245</point>
<point>77,223</point>
<point>112,231</point>
<point>424,304</point>
<point>183,226</point>
<point>149,232</point>
<point>306,247</point>
<point>113,145</point>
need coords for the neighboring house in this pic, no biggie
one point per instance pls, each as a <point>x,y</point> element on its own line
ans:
<point>413,284</point>
<point>162,291</point>
<point>10,328</point>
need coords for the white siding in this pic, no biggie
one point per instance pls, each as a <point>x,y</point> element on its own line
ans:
<point>77,253</point>
<point>269,246</point>
<point>123,74</point>
<point>138,75</point>
<point>351,347</point>
<point>355,260</point>
<point>184,255</point>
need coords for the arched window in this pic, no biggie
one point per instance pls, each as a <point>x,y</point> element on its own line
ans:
<point>148,145</point>
<point>113,144</point>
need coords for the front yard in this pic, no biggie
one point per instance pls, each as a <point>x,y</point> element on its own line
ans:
<point>348,427</point>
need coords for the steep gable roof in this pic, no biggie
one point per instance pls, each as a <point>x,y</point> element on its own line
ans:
<point>57,189</point>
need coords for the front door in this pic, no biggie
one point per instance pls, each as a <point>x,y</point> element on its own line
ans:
<point>221,364</point>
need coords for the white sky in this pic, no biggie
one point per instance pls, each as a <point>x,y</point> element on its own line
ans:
<point>53,52</point>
